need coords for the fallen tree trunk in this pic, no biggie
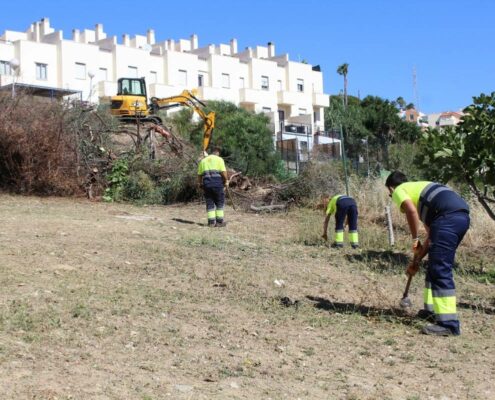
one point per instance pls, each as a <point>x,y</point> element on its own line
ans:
<point>274,207</point>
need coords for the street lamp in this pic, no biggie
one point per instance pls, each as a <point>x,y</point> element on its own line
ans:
<point>91,75</point>
<point>14,65</point>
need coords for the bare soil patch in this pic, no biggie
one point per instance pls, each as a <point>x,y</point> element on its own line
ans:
<point>112,301</point>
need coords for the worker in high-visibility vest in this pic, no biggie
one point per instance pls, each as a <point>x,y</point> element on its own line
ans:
<point>445,216</point>
<point>212,178</point>
<point>343,207</point>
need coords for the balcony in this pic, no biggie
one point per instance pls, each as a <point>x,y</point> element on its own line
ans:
<point>253,96</point>
<point>321,100</point>
<point>289,98</point>
<point>216,93</point>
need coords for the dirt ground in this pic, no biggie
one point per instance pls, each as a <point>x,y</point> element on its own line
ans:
<point>111,301</point>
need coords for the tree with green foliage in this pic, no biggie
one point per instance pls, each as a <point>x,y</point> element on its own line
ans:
<point>401,103</point>
<point>386,127</point>
<point>371,126</point>
<point>245,137</point>
<point>466,153</point>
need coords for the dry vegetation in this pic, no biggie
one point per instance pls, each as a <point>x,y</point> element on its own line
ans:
<point>115,301</point>
<point>112,301</point>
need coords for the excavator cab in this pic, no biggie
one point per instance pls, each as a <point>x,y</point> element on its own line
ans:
<point>131,103</point>
<point>131,100</point>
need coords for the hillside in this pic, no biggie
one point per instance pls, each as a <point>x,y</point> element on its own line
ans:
<point>113,301</point>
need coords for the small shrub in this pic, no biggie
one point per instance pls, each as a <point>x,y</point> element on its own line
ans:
<point>140,187</point>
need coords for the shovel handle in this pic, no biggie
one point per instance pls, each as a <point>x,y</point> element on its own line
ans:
<point>408,284</point>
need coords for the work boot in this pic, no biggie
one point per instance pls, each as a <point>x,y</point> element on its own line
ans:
<point>222,224</point>
<point>436,330</point>
<point>355,245</point>
<point>212,224</point>
<point>336,245</point>
<point>426,315</point>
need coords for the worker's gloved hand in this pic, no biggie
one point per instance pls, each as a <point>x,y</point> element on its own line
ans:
<point>412,268</point>
<point>324,237</point>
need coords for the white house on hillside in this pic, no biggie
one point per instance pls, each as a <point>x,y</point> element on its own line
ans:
<point>90,63</point>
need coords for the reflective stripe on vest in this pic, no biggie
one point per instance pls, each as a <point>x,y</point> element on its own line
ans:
<point>426,197</point>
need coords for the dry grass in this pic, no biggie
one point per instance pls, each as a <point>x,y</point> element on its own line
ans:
<point>108,301</point>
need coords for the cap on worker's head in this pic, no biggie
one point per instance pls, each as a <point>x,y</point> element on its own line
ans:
<point>395,179</point>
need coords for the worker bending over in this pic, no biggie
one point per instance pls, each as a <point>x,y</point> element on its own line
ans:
<point>212,178</point>
<point>342,206</point>
<point>445,216</point>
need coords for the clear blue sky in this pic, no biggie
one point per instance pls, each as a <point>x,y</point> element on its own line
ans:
<point>450,43</point>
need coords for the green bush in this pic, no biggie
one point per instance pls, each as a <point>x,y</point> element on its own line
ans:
<point>117,180</point>
<point>141,188</point>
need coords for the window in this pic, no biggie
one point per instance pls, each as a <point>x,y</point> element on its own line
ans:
<point>80,71</point>
<point>300,85</point>
<point>132,72</point>
<point>303,145</point>
<point>132,86</point>
<point>411,117</point>
<point>226,81</point>
<point>279,84</point>
<point>153,77</point>
<point>266,109</point>
<point>102,74</point>
<point>242,83</point>
<point>303,111</point>
<point>41,71</point>
<point>5,68</point>
<point>265,85</point>
<point>201,80</point>
<point>182,77</point>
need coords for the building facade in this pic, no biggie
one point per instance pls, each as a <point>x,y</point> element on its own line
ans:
<point>90,63</point>
<point>444,119</point>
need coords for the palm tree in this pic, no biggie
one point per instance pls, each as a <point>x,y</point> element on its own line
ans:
<point>343,70</point>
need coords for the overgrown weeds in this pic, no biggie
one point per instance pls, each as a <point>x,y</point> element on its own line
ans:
<point>50,148</point>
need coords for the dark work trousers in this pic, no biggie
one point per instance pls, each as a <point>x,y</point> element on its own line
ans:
<point>215,201</point>
<point>446,233</point>
<point>346,207</point>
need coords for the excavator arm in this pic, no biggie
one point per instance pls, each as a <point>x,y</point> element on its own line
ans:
<point>187,98</point>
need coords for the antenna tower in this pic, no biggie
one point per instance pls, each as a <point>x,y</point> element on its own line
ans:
<point>415,90</point>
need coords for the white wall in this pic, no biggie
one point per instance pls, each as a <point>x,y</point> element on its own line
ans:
<point>41,43</point>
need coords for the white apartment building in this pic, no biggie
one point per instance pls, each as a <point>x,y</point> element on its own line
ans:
<point>90,63</point>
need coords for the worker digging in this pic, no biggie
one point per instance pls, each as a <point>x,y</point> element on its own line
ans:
<point>343,207</point>
<point>445,216</point>
<point>212,178</point>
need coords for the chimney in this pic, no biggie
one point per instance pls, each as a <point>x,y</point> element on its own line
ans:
<point>150,36</point>
<point>271,50</point>
<point>194,42</point>
<point>126,41</point>
<point>76,35</point>
<point>37,32</point>
<point>233,46</point>
<point>171,44</point>
<point>99,32</point>
<point>45,25</point>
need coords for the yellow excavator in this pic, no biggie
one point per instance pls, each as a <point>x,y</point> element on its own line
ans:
<point>131,105</point>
